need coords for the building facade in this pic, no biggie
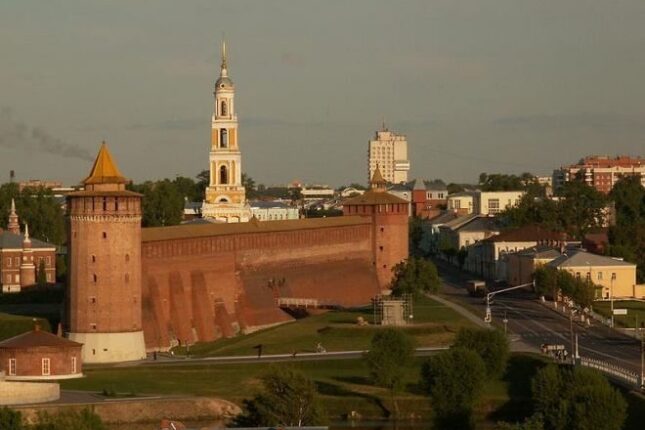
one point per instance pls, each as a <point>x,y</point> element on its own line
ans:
<point>104,242</point>
<point>225,198</point>
<point>494,202</point>
<point>389,152</point>
<point>601,172</point>
<point>273,211</point>
<point>39,355</point>
<point>21,257</point>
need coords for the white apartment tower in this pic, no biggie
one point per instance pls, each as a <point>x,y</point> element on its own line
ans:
<point>225,198</point>
<point>389,151</point>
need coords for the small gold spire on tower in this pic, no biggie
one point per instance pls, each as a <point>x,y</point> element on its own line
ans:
<point>377,183</point>
<point>104,169</point>
<point>224,65</point>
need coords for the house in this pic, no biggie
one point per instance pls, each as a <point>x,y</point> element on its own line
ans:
<point>465,231</point>
<point>461,203</point>
<point>521,265</point>
<point>490,262</point>
<point>273,210</point>
<point>616,277</point>
<point>494,202</point>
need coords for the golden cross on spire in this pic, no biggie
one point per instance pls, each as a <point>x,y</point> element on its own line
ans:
<point>224,54</point>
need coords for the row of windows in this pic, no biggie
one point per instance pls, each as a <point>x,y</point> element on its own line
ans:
<point>15,261</point>
<point>127,258</point>
<point>599,276</point>
<point>126,278</point>
<point>45,366</point>
<point>16,278</point>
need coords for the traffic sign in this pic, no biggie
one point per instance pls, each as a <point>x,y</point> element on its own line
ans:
<point>620,311</point>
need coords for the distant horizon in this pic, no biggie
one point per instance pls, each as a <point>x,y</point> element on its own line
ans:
<point>500,87</point>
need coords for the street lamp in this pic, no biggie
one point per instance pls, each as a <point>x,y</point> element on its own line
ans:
<point>611,297</point>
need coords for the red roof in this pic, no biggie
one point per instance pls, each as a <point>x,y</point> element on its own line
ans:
<point>37,338</point>
<point>528,233</point>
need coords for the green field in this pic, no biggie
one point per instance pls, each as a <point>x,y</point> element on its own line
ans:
<point>435,325</point>
<point>635,312</point>
<point>13,325</point>
<point>344,385</point>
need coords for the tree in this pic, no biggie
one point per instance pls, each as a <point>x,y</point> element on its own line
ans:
<point>84,419</point>
<point>415,234</point>
<point>391,351</point>
<point>455,380</point>
<point>627,236</point>
<point>454,188</point>
<point>10,419</point>
<point>415,276</point>
<point>41,275</point>
<point>462,254</point>
<point>288,398</point>
<point>188,189</point>
<point>490,345</point>
<point>546,281</point>
<point>249,186</point>
<point>578,399</point>
<point>163,204</point>
<point>582,208</point>
<point>203,181</point>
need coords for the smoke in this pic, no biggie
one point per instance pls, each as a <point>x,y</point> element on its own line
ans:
<point>16,134</point>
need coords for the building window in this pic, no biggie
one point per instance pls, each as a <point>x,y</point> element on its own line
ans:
<point>45,365</point>
<point>12,366</point>
<point>223,138</point>
<point>48,260</point>
<point>127,278</point>
<point>49,277</point>
<point>93,326</point>
<point>93,300</point>
<point>93,258</point>
<point>223,175</point>
<point>600,276</point>
<point>588,276</point>
<point>493,206</point>
<point>74,365</point>
<point>16,261</point>
<point>94,278</point>
<point>578,275</point>
<point>9,262</point>
<point>223,109</point>
<point>127,258</point>
<point>104,235</point>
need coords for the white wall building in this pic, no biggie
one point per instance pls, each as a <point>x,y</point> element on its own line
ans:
<point>273,211</point>
<point>494,202</point>
<point>388,151</point>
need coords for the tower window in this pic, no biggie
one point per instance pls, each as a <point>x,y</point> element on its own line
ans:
<point>104,235</point>
<point>93,258</point>
<point>223,108</point>
<point>94,277</point>
<point>223,175</point>
<point>127,258</point>
<point>223,141</point>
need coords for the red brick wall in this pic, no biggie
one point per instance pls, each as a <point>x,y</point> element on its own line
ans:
<point>201,289</point>
<point>29,360</point>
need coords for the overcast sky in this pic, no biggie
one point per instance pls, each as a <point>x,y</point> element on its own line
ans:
<point>476,85</point>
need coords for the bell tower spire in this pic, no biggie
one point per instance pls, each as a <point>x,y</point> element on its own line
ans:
<point>13,226</point>
<point>225,198</point>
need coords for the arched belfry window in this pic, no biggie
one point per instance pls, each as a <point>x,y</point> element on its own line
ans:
<point>223,175</point>
<point>223,138</point>
<point>223,108</point>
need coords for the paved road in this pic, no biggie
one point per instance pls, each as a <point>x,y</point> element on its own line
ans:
<point>270,358</point>
<point>534,323</point>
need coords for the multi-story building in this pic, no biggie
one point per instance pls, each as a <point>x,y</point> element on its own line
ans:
<point>317,192</point>
<point>225,195</point>
<point>389,152</point>
<point>461,203</point>
<point>494,202</point>
<point>21,257</point>
<point>601,171</point>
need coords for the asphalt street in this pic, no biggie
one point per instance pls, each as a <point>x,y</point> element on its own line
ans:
<point>535,323</point>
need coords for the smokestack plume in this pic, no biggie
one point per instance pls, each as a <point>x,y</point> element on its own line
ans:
<point>16,134</point>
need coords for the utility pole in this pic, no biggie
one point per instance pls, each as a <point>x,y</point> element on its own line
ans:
<point>573,355</point>
<point>611,298</point>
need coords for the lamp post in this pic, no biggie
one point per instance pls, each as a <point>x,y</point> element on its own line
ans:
<point>611,298</point>
<point>573,355</point>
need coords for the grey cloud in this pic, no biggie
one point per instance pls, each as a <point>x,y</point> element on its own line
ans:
<point>16,134</point>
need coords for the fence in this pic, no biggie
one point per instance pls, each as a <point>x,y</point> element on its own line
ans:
<point>623,375</point>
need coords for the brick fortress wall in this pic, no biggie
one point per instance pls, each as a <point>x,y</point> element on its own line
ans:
<point>203,282</point>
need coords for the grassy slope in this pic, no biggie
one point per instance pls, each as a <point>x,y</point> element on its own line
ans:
<point>635,311</point>
<point>13,325</point>
<point>435,324</point>
<point>344,385</point>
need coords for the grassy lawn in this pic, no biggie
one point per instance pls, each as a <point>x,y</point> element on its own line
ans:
<point>344,385</point>
<point>13,325</point>
<point>435,324</point>
<point>635,311</point>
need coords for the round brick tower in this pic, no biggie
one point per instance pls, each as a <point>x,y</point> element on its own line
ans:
<point>389,215</point>
<point>104,246</point>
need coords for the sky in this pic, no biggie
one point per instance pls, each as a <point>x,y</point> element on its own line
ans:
<point>476,86</point>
